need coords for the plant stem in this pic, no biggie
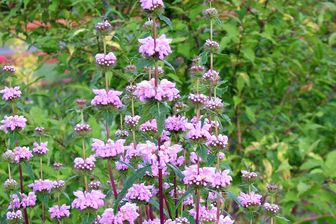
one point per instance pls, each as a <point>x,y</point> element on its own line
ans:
<point>113,185</point>
<point>175,195</point>
<point>41,168</point>
<point>9,171</point>
<point>22,191</point>
<point>162,217</point>
<point>198,197</point>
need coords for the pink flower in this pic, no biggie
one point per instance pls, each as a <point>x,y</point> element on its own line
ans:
<point>40,149</point>
<point>271,208</point>
<point>149,126</point>
<point>129,212</point>
<point>249,199</point>
<point>11,93</point>
<point>87,164</point>
<point>107,217</point>
<point>107,98</point>
<point>214,103</point>
<point>225,220</point>
<point>21,154</point>
<point>59,212</point>
<point>12,123</point>
<point>14,216</point>
<point>199,99</point>
<point>110,149</point>
<point>197,131</point>
<point>106,60</point>
<point>217,141</point>
<point>176,123</point>
<point>132,121</point>
<point>8,68</point>
<point>145,90</point>
<point>151,4</point>
<point>166,90</point>
<point>140,192</point>
<point>211,75</point>
<point>23,201</point>
<point>249,176</point>
<point>221,179</point>
<point>160,48</point>
<point>203,176</point>
<point>88,200</point>
<point>42,185</point>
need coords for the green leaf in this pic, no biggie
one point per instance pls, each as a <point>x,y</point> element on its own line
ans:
<point>166,20</point>
<point>302,188</point>
<point>250,114</point>
<point>176,170</point>
<point>29,170</point>
<point>248,53</point>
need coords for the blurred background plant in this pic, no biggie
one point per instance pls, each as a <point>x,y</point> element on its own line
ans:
<point>277,57</point>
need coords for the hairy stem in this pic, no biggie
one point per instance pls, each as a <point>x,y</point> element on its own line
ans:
<point>22,191</point>
<point>113,185</point>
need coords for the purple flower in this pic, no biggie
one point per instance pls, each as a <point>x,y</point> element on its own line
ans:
<point>95,185</point>
<point>40,149</point>
<point>107,217</point>
<point>166,90</point>
<point>42,185</point>
<point>10,184</point>
<point>11,93</point>
<point>88,200</point>
<point>217,141</point>
<point>149,126</point>
<point>197,132</point>
<point>87,164</point>
<point>129,212</point>
<point>271,208</point>
<point>58,185</point>
<point>151,4</point>
<point>107,98</point>
<point>249,199</point>
<point>106,60</point>
<point>214,103</point>
<point>22,154</point>
<point>82,129</point>
<point>211,46</point>
<point>221,179</point>
<point>225,220</point>
<point>176,123</point>
<point>8,68</point>
<point>110,149</point>
<point>159,48</point>
<point>249,176</point>
<point>14,216</point>
<point>199,99</point>
<point>59,211</point>
<point>202,176</point>
<point>12,123</point>
<point>132,121</point>
<point>23,201</point>
<point>211,75</point>
<point>103,26</point>
<point>140,192</point>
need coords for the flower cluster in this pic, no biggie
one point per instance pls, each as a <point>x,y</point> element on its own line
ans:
<point>85,164</point>
<point>106,98</point>
<point>165,91</point>
<point>140,192</point>
<point>106,60</point>
<point>249,199</point>
<point>22,200</point>
<point>88,200</point>
<point>13,123</point>
<point>40,149</point>
<point>155,48</point>
<point>59,211</point>
<point>110,149</point>
<point>42,186</point>
<point>11,93</point>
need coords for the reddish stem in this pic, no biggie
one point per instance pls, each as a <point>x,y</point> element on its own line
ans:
<point>22,191</point>
<point>197,206</point>
<point>162,217</point>
<point>113,185</point>
<point>175,195</point>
